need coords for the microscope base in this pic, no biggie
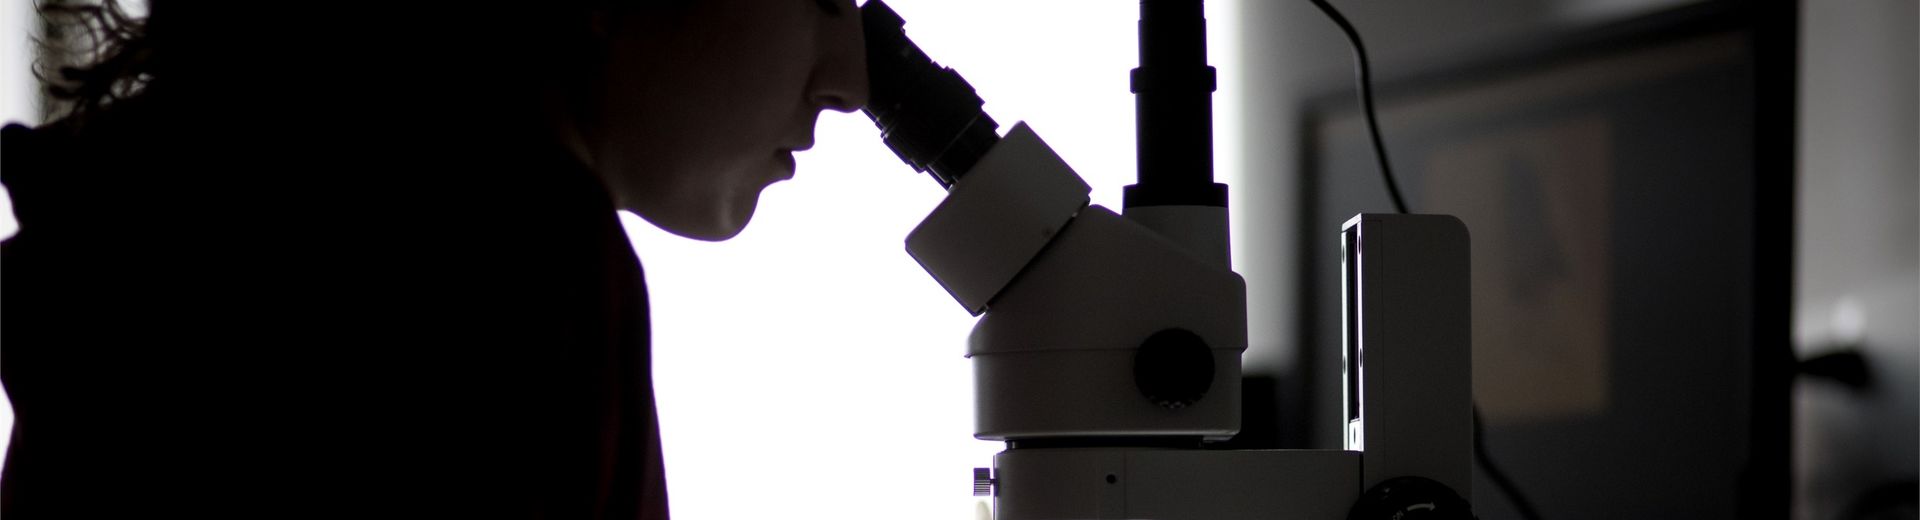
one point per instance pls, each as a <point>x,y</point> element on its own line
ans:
<point>1132,483</point>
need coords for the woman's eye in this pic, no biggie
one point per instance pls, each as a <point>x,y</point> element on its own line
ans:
<point>832,7</point>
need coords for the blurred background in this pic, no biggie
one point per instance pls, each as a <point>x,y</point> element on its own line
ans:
<point>1695,250</point>
<point>1688,218</point>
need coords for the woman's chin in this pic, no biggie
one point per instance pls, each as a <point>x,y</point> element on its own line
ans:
<point>716,234</point>
<point>710,232</point>
<point>716,226</point>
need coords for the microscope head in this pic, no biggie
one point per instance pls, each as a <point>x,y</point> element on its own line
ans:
<point>1095,328</point>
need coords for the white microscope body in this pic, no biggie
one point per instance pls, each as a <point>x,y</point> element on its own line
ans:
<point>1071,293</point>
<point>1108,352</point>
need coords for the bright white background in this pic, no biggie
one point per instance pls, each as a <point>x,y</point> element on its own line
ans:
<point>809,368</point>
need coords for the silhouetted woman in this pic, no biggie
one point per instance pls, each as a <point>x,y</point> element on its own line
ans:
<point>285,261</point>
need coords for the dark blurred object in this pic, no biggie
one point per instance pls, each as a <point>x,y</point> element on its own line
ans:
<point>1484,457</point>
<point>1410,498</point>
<point>1847,366</point>
<point>1261,415</point>
<point>1896,500</point>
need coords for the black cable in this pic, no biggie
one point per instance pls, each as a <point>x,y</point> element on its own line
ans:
<point>1365,76</point>
<point>1366,100</point>
<point>1494,474</point>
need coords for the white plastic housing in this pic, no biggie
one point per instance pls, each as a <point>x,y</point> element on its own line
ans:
<point>1409,347</point>
<point>1201,230</point>
<point>1000,214</point>
<point>1407,308</point>
<point>1054,356</point>
<point>1070,292</point>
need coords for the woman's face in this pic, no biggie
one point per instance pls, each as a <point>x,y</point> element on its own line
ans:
<point>705,103</point>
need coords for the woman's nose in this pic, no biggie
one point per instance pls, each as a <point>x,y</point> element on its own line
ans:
<point>839,79</point>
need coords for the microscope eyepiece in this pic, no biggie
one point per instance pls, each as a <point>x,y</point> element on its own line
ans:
<point>927,113</point>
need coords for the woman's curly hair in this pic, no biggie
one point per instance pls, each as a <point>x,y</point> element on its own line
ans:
<point>93,54</point>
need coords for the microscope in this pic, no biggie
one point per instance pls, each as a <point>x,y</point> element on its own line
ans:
<point>1107,355</point>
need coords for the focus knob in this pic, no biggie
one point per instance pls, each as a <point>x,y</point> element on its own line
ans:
<point>1410,498</point>
<point>1173,368</point>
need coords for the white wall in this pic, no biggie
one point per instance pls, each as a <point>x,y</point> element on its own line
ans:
<point>809,368</point>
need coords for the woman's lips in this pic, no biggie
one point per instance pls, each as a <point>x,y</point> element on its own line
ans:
<point>785,157</point>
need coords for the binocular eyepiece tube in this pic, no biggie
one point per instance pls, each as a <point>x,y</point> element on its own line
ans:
<point>927,114</point>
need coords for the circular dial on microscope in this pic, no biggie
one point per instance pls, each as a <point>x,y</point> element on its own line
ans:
<point>1173,368</point>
